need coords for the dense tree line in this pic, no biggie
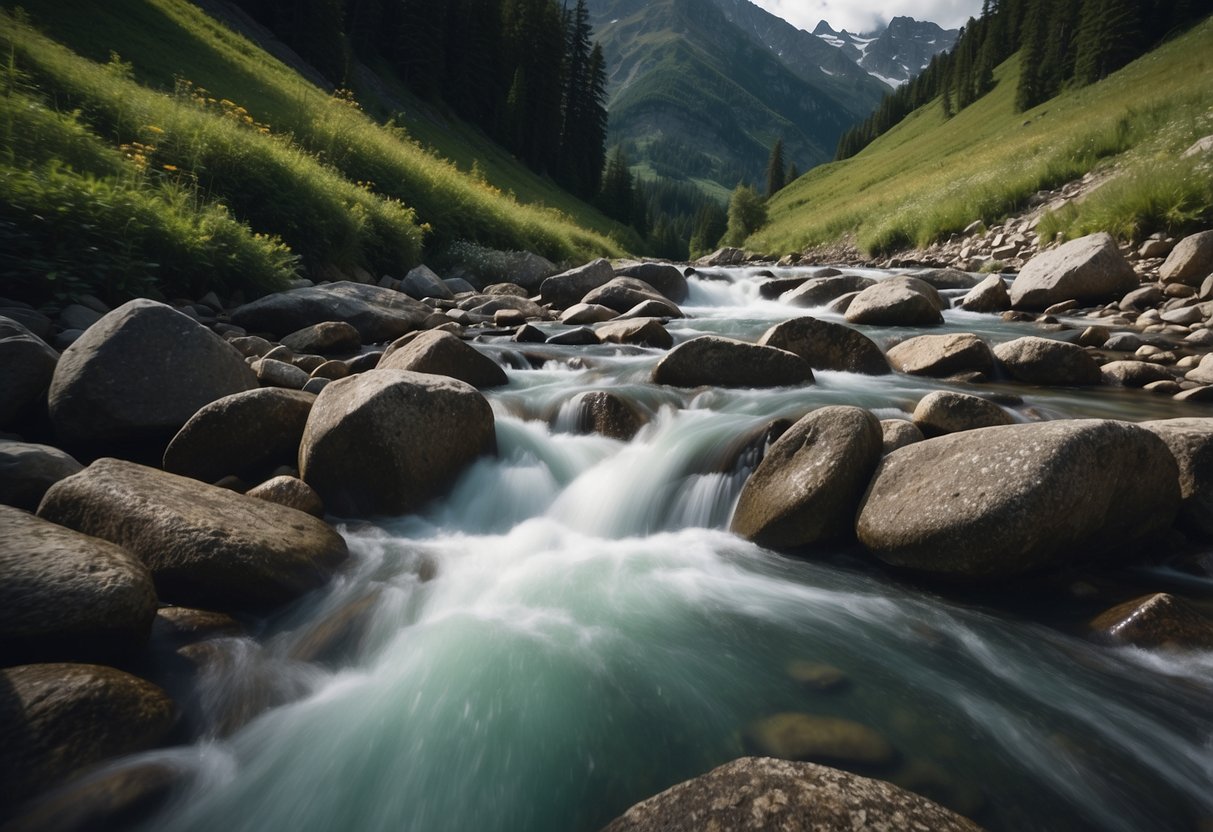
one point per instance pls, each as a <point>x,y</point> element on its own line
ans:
<point>525,71</point>
<point>1063,43</point>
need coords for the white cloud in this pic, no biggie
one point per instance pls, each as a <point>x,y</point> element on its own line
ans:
<point>864,15</point>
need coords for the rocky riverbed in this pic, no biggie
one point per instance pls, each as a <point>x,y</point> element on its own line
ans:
<point>214,514</point>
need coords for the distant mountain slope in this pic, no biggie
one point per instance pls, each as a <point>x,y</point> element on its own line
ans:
<point>697,95</point>
<point>894,54</point>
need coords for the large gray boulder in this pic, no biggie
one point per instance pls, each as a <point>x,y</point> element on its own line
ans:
<point>767,795</point>
<point>27,364</point>
<point>378,313</point>
<point>68,594</point>
<point>897,301</point>
<point>442,354</point>
<point>1008,500</point>
<point>422,282</point>
<point>27,470</point>
<point>1191,443</point>
<point>827,346</point>
<point>821,290</point>
<point>946,278</point>
<point>1189,262</point>
<point>205,546</point>
<point>245,435</point>
<point>641,332</point>
<point>624,293</point>
<point>326,338</point>
<point>942,355</point>
<point>567,288</point>
<point>58,719</point>
<point>665,278</point>
<point>137,376</point>
<point>990,295</point>
<point>1090,269</point>
<point>808,485</point>
<point>711,360</point>
<point>1034,360</point>
<point>388,441</point>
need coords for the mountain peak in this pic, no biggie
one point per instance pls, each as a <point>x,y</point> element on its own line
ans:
<point>823,28</point>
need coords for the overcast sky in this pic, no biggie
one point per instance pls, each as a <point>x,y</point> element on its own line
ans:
<point>864,15</point>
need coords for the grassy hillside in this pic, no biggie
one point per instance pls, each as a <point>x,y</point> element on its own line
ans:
<point>930,176</point>
<point>123,115</point>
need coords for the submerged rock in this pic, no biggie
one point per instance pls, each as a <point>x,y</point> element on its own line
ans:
<point>387,441</point>
<point>204,545</point>
<point>819,739</point>
<point>827,346</point>
<point>1090,269</point>
<point>711,360</point>
<point>808,485</point>
<point>1008,500</point>
<point>59,719</point>
<point>766,795</point>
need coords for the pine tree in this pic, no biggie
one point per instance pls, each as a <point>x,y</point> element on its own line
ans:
<point>1030,91</point>
<point>710,224</point>
<point>775,170</point>
<point>615,198</point>
<point>793,172</point>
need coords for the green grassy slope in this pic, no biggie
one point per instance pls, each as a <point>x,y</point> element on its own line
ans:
<point>235,128</point>
<point>930,176</point>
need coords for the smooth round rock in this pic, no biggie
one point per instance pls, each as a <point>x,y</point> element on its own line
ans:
<point>387,441</point>
<point>942,355</point>
<point>665,278</point>
<point>27,364</point>
<point>205,546</point>
<point>1008,500</point>
<point>1191,261</point>
<point>947,412</point>
<point>765,795</point>
<point>1035,360</point>
<point>138,375</point>
<point>291,492</point>
<point>623,293</point>
<point>990,295</point>
<point>325,338</point>
<point>59,719</point>
<point>1190,441</point>
<point>27,470</point>
<point>820,291</point>
<point>1089,270</point>
<point>580,314</point>
<point>1132,373</point>
<point>569,287</point>
<point>896,301</point>
<point>1153,621</point>
<point>378,313</point>
<point>711,360</point>
<point>67,594</point>
<point>897,433</point>
<point>608,415</point>
<point>245,435</point>
<point>827,346</point>
<point>808,485</point>
<point>641,332</point>
<point>442,354</point>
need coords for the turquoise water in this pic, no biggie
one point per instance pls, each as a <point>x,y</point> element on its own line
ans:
<point>573,630</point>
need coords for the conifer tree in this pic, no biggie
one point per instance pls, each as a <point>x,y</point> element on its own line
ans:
<point>775,170</point>
<point>616,198</point>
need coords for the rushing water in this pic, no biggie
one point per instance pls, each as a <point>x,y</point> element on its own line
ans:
<point>573,629</point>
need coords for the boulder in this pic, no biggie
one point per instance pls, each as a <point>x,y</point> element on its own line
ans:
<point>666,279</point>
<point>653,309</point>
<point>819,739</point>
<point>326,338</point>
<point>387,441</point>
<point>37,323</point>
<point>1008,500</point>
<point>581,336</point>
<point>442,354</point>
<point>204,545</point>
<point>946,278</point>
<point>711,360</point>
<point>245,435</point>
<point>947,412</point>
<point>1191,443</point>
<point>1090,270</point>
<point>827,346</point>
<point>1191,261</point>
<point>1132,373</point>
<point>138,375</point>
<point>66,594</point>
<point>27,470</point>
<point>490,305</point>
<point>583,313</point>
<point>990,295</point>
<point>608,415</point>
<point>291,492</point>
<point>896,301</point>
<point>511,289</point>
<point>820,291</point>
<point>185,625</point>
<point>1153,621</point>
<point>623,293</point>
<point>272,372</point>
<point>763,794</point>
<point>807,487</point>
<point>641,332</point>
<point>942,355</point>
<point>567,288</point>
<point>27,364</point>
<point>58,719</point>
<point>897,433</point>
<point>379,314</point>
<point>119,796</point>
<point>1034,360</point>
<point>421,282</point>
